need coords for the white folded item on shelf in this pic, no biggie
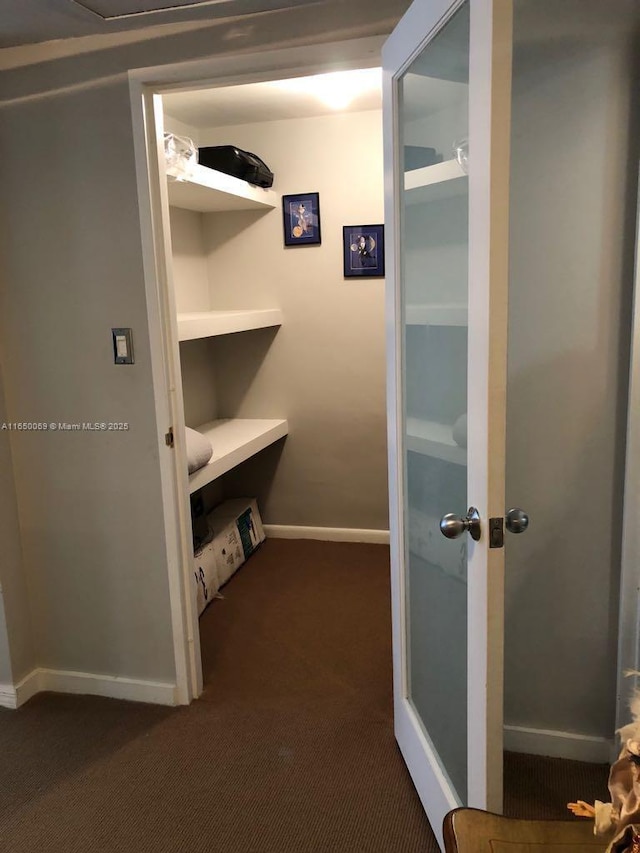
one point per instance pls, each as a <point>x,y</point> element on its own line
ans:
<point>199,449</point>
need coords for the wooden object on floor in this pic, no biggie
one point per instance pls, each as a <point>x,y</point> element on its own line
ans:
<point>474,831</point>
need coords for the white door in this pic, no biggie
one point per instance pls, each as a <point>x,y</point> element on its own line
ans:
<point>447,78</point>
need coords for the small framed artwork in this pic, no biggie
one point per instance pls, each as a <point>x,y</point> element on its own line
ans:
<point>301,214</point>
<point>363,249</point>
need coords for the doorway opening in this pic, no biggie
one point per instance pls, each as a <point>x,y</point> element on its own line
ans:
<point>272,337</point>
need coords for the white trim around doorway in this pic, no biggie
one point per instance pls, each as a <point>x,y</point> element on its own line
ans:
<point>145,85</point>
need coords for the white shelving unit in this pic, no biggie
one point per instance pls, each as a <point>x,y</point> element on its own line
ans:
<point>234,441</point>
<point>450,314</point>
<point>434,439</point>
<point>207,324</point>
<point>208,191</point>
<point>432,183</point>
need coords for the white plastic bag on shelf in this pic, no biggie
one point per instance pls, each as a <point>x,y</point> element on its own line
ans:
<point>181,156</point>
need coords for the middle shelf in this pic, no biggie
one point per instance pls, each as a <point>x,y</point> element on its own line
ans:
<point>234,441</point>
<point>207,324</point>
<point>433,183</point>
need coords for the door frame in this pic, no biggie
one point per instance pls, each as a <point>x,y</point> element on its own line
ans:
<point>629,615</point>
<point>146,86</point>
<point>431,783</point>
<point>489,84</point>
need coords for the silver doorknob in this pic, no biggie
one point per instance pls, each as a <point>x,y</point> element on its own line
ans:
<point>452,526</point>
<point>516,520</point>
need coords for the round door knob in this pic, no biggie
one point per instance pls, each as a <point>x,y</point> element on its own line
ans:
<point>516,520</point>
<point>453,526</point>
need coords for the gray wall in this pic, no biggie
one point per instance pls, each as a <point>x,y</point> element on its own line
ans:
<point>574,178</point>
<point>6,672</point>
<point>17,656</point>
<point>89,503</point>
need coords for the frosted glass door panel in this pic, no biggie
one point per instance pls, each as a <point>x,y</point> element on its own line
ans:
<point>434,281</point>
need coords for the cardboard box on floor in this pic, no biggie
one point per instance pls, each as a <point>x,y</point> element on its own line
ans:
<point>237,532</point>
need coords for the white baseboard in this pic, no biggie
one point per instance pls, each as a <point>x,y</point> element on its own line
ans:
<point>8,697</point>
<point>327,534</point>
<point>61,681</point>
<point>596,750</point>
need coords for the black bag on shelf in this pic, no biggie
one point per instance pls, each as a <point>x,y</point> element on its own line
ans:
<point>234,161</point>
<point>417,157</point>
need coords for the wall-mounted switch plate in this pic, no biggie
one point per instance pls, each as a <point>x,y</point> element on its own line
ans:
<point>122,346</point>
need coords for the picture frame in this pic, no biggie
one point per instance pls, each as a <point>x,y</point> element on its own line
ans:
<point>363,251</point>
<point>301,219</point>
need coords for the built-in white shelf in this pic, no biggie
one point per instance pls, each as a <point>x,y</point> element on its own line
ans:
<point>447,314</point>
<point>207,324</point>
<point>434,439</point>
<point>208,190</point>
<point>234,441</point>
<point>432,183</point>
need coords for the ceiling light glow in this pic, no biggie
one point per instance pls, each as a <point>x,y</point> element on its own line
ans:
<point>336,90</point>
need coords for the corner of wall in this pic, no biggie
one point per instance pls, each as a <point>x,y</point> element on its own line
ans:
<point>17,652</point>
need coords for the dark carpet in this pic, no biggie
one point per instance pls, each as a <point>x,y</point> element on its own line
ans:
<point>289,750</point>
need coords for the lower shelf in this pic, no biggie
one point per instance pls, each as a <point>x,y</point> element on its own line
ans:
<point>431,438</point>
<point>234,440</point>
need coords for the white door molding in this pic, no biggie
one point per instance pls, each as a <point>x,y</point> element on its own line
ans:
<point>145,86</point>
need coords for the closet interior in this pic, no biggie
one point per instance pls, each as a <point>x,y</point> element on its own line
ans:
<point>282,357</point>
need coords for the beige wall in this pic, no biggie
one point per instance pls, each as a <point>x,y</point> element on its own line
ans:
<point>324,369</point>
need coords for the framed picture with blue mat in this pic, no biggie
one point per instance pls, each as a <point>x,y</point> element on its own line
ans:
<point>363,250</point>
<point>301,215</point>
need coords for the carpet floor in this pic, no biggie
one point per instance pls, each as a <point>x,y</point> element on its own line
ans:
<point>289,750</point>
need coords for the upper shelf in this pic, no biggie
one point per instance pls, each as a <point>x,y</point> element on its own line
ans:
<point>208,324</point>
<point>208,191</point>
<point>432,183</point>
<point>444,314</point>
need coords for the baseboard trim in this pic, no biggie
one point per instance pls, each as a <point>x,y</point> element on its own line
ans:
<point>8,697</point>
<point>90,684</point>
<point>327,534</point>
<point>595,750</point>
<point>28,686</point>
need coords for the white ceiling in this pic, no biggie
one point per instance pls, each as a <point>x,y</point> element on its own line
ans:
<point>31,21</point>
<point>254,102</point>
<point>232,105</point>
